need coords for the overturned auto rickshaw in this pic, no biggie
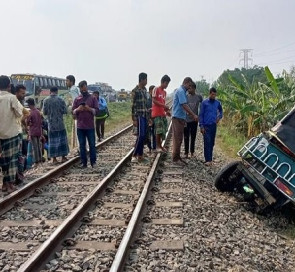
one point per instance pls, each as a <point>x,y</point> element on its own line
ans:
<point>266,172</point>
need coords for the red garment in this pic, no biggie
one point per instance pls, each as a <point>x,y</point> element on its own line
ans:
<point>34,122</point>
<point>160,95</point>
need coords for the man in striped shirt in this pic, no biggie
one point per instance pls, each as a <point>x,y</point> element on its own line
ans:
<point>140,115</point>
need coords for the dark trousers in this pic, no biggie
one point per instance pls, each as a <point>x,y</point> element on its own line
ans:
<point>88,134</point>
<point>190,133</point>
<point>209,141</point>
<point>177,137</point>
<point>99,124</point>
<point>141,136</point>
<point>152,139</point>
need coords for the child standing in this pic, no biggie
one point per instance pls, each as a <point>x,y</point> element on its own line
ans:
<point>34,122</point>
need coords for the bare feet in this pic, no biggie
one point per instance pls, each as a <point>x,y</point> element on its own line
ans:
<point>164,149</point>
<point>54,161</point>
<point>179,163</point>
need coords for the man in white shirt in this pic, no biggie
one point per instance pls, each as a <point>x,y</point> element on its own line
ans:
<point>10,110</point>
<point>74,92</point>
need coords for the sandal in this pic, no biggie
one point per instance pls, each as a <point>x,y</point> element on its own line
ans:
<point>144,161</point>
<point>11,188</point>
<point>4,187</point>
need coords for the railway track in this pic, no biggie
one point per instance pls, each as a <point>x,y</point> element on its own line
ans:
<point>36,180</point>
<point>97,234</point>
<point>73,219</point>
<point>31,214</point>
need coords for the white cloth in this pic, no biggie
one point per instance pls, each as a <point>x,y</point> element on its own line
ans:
<point>10,112</point>
<point>74,92</point>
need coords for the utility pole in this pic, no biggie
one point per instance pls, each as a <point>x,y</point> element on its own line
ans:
<point>246,58</point>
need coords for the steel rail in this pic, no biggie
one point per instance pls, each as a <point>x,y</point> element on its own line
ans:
<point>70,224</point>
<point>68,227</point>
<point>9,201</point>
<point>134,223</point>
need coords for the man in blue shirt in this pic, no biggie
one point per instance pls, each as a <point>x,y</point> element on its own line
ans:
<point>211,113</point>
<point>179,110</point>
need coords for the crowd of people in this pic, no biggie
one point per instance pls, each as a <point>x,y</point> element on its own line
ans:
<point>149,116</point>
<point>26,133</point>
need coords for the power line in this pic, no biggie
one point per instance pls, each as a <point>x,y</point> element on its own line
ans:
<point>246,58</point>
<point>276,49</point>
<point>273,54</point>
<point>281,60</point>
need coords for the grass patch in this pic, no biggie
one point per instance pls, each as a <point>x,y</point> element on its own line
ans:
<point>120,113</point>
<point>230,140</point>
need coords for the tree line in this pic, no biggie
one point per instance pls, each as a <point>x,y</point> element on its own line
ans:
<point>253,99</point>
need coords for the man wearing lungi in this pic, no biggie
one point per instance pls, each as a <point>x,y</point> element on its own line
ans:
<point>10,111</point>
<point>54,108</point>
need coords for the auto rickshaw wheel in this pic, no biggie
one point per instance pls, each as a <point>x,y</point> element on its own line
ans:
<point>227,178</point>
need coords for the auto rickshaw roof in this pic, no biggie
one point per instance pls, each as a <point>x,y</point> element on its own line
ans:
<point>285,130</point>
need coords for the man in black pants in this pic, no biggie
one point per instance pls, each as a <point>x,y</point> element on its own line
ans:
<point>190,130</point>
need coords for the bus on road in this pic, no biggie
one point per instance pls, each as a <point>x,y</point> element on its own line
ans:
<point>38,86</point>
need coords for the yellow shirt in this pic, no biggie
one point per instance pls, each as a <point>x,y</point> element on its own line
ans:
<point>10,112</point>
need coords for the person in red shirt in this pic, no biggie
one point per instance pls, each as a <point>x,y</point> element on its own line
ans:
<point>159,112</point>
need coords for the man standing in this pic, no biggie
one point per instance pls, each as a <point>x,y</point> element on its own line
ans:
<point>179,110</point>
<point>140,115</point>
<point>74,92</point>
<point>85,107</point>
<point>20,93</point>
<point>54,108</point>
<point>100,118</point>
<point>190,130</point>
<point>11,111</point>
<point>151,136</point>
<point>211,113</point>
<point>34,122</point>
<point>159,110</point>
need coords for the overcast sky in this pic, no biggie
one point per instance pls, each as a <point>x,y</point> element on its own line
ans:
<point>114,40</point>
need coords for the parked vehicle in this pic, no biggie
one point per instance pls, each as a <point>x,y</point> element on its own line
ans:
<point>267,169</point>
<point>104,89</point>
<point>122,95</point>
<point>38,86</point>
